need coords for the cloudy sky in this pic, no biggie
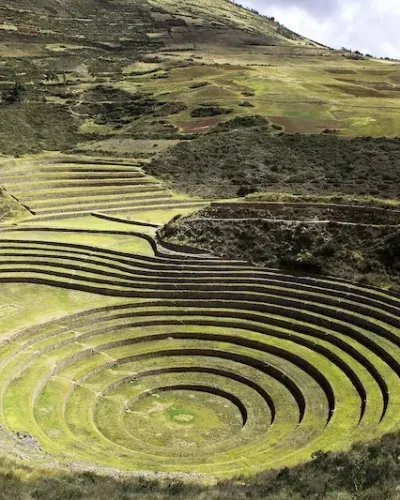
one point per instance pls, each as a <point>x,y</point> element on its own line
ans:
<point>371,26</point>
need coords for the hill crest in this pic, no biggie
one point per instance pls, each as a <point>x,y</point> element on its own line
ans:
<point>148,16</point>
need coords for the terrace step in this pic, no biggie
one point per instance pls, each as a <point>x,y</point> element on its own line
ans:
<point>82,191</point>
<point>263,358</point>
<point>43,177</point>
<point>105,205</point>
<point>103,199</point>
<point>78,184</point>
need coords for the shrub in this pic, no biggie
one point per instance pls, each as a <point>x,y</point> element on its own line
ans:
<point>210,111</point>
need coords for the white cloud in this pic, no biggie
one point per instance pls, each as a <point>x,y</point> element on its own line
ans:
<point>367,25</point>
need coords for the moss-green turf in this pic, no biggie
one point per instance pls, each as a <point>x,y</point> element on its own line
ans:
<point>154,357</point>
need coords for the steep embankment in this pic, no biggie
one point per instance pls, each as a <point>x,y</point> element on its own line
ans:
<point>356,242</point>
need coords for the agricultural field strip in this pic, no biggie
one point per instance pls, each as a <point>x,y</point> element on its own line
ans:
<point>25,253</point>
<point>72,184</point>
<point>164,264</point>
<point>39,186</point>
<point>109,258</point>
<point>124,188</point>
<point>106,191</point>
<point>153,201</point>
<point>17,234</point>
<point>135,208</point>
<point>106,200</point>
<point>39,176</point>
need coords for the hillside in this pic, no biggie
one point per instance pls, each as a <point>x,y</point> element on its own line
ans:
<point>148,17</point>
<point>349,238</point>
<point>199,256</point>
<point>245,160</point>
<point>183,68</point>
<point>10,209</point>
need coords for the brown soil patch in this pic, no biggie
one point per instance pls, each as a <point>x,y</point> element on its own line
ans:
<point>357,91</point>
<point>305,125</point>
<point>338,71</point>
<point>375,85</point>
<point>198,125</point>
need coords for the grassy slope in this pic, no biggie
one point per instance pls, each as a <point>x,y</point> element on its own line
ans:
<point>220,11</point>
<point>32,127</point>
<point>177,52</point>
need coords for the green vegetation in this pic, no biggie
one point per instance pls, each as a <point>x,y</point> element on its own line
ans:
<point>33,127</point>
<point>367,472</point>
<point>347,237</point>
<point>248,349</point>
<point>172,70</point>
<point>242,161</point>
<point>263,368</point>
<point>54,187</point>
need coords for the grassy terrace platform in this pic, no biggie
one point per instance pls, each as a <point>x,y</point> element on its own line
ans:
<point>198,364</point>
<point>77,186</point>
<point>161,357</point>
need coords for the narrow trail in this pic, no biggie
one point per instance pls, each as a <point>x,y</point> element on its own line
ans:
<point>288,221</point>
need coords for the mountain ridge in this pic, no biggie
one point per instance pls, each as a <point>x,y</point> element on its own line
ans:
<point>222,12</point>
<point>186,21</point>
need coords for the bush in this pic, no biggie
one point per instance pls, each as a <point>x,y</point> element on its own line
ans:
<point>219,164</point>
<point>14,94</point>
<point>210,111</point>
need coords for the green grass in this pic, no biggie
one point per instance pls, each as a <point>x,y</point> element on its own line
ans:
<point>295,83</point>
<point>29,305</point>
<point>119,242</point>
<point>122,355</point>
<point>78,185</point>
<point>78,380</point>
